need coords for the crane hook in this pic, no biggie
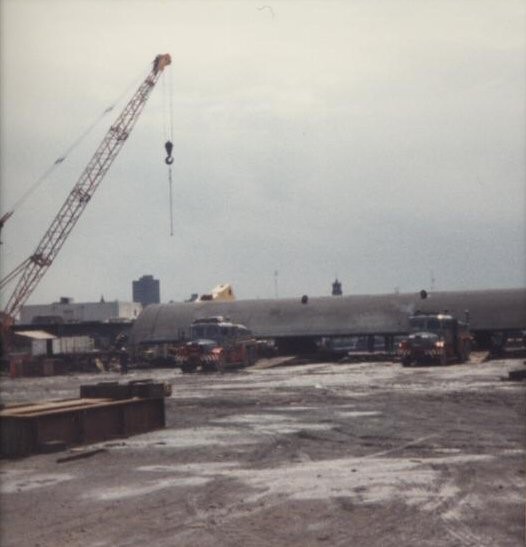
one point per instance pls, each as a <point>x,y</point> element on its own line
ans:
<point>168,146</point>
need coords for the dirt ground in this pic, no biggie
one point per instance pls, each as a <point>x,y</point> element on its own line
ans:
<point>364,454</point>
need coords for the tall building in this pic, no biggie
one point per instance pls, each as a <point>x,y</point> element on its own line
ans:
<point>146,290</point>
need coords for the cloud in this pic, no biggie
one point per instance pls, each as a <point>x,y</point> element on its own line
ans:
<point>377,141</point>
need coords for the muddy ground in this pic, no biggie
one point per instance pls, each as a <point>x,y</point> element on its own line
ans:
<point>366,454</point>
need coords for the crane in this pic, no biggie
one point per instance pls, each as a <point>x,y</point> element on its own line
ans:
<point>31,270</point>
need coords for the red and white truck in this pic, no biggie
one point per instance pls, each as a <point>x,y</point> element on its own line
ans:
<point>216,344</point>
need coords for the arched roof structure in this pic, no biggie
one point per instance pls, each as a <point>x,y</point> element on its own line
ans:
<point>489,310</point>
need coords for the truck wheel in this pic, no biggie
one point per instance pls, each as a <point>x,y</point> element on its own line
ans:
<point>406,362</point>
<point>188,368</point>
<point>253,355</point>
<point>220,365</point>
<point>466,352</point>
<point>248,359</point>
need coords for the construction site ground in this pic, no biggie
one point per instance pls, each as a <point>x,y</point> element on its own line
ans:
<point>363,454</point>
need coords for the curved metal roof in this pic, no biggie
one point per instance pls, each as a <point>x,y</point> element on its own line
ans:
<point>334,315</point>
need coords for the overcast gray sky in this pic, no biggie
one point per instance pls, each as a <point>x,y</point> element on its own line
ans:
<point>377,141</point>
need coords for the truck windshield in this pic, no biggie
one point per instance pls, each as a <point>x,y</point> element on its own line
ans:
<point>210,332</point>
<point>424,324</point>
<point>198,332</point>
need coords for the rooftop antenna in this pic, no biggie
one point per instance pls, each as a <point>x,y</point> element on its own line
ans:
<point>336,287</point>
<point>276,273</point>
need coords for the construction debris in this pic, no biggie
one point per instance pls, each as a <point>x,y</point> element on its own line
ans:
<point>81,455</point>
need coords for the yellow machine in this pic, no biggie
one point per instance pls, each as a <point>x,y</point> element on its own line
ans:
<point>222,293</point>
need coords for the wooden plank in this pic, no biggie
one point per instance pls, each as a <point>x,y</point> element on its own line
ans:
<point>135,388</point>
<point>108,390</point>
<point>87,405</point>
<point>81,455</point>
<point>31,409</point>
<point>23,407</point>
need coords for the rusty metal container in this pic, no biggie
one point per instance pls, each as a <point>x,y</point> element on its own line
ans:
<point>29,428</point>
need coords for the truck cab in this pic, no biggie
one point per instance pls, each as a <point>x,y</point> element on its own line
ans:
<point>215,344</point>
<point>435,338</point>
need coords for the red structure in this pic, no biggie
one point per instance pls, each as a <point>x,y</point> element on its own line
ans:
<point>33,268</point>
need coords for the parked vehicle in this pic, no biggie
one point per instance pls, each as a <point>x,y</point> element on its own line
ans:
<point>353,346</point>
<point>216,344</point>
<point>436,338</point>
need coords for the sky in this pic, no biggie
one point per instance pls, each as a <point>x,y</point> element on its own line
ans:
<point>382,142</point>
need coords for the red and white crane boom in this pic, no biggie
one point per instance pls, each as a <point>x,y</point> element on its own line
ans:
<point>34,267</point>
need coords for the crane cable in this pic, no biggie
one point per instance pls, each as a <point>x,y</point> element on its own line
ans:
<point>168,145</point>
<point>66,153</point>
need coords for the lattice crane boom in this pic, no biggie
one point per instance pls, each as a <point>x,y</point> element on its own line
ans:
<point>33,268</point>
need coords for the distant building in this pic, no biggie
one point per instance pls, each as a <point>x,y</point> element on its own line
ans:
<point>67,311</point>
<point>146,290</point>
<point>336,288</point>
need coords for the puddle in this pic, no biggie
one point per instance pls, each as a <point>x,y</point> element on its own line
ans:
<point>204,468</point>
<point>191,438</point>
<point>366,480</point>
<point>32,482</point>
<point>121,492</point>
<point>263,419</point>
<point>357,413</point>
<point>258,427</point>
